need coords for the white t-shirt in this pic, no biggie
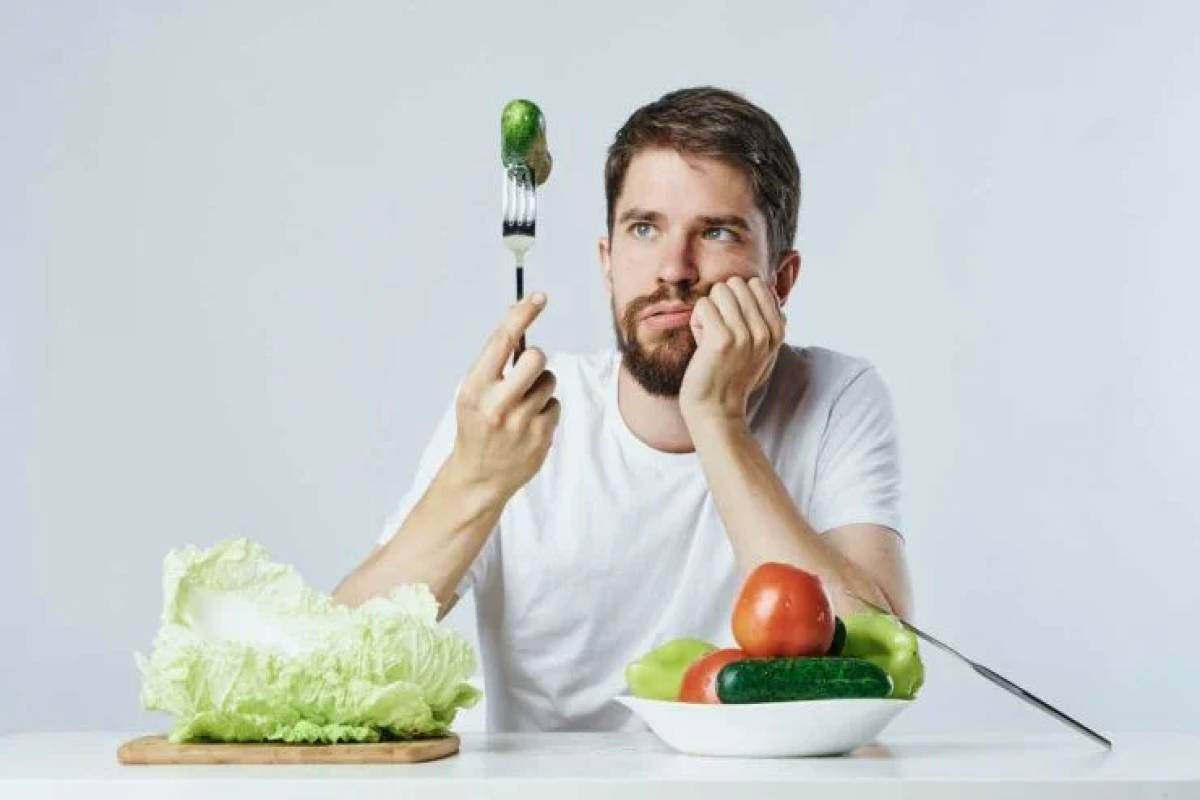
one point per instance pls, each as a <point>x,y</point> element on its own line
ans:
<point>614,547</point>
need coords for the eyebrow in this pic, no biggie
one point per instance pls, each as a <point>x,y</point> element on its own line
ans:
<point>640,214</point>
<point>726,221</point>
<point>709,220</point>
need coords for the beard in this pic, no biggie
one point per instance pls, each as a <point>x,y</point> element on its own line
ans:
<point>659,361</point>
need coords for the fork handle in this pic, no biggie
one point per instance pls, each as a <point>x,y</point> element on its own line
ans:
<point>520,295</point>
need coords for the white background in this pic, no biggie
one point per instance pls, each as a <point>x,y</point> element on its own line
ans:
<point>247,249</point>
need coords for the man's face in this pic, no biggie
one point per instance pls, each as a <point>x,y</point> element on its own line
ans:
<point>681,224</point>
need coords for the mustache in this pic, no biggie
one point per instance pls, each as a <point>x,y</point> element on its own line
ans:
<point>665,293</point>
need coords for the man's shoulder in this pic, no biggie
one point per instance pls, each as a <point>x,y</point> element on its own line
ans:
<point>821,369</point>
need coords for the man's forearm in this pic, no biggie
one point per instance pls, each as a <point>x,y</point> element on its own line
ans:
<point>761,519</point>
<point>435,545</point>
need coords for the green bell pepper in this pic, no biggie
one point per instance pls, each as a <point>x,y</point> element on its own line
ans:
<point>658,675</point>
<point>882,640</point>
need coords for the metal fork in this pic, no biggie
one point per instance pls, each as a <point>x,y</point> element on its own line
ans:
<point>520,222</point>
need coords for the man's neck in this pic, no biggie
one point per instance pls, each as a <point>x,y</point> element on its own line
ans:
<point>657,420</point>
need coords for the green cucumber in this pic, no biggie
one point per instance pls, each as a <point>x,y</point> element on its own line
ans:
<point>776,680</point>
<point>523,139</point>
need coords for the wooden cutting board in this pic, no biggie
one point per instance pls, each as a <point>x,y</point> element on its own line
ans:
<point>157,750</point>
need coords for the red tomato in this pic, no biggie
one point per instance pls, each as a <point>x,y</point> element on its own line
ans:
<point>783,611</point>
<point>700,680</point>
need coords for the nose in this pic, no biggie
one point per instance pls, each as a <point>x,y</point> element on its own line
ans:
<point>677,263</point>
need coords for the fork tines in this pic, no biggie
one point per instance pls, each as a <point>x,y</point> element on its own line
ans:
<point>520,202</point>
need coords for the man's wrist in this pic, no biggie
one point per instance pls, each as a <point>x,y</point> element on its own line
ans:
<point>706,424</point>
<point>468,485</point>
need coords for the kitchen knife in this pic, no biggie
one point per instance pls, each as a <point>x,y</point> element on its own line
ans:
<point>993,676</point>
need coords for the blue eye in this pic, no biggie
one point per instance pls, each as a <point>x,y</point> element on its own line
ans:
<point>638,227</point>
<point>732,236</point>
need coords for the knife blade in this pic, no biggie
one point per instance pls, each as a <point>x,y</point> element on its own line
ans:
<point>993,676</point>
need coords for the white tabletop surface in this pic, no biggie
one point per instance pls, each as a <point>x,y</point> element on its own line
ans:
<point>573,766</point>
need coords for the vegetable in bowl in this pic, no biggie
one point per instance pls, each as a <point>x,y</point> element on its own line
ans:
<point>791,647</point>
<point>801,681</point>
<point>883,641</point>
<point>658,675</point>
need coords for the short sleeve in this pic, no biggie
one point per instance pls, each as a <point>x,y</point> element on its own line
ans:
<point>436,451</point>
<point>858,465</point>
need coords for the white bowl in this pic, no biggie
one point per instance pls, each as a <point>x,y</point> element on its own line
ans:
<point>800,728</point>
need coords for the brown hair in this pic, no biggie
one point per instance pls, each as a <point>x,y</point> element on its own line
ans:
<point>716,123</point>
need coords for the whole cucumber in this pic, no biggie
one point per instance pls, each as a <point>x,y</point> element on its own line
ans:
<point>776,680</point>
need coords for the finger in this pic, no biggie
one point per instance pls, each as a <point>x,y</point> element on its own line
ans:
<point>489,368</point>
<point>535,400</point>
<point>760,333</point>
<point>708,324</point>
<point>772,311</point>
<point>727,303</point>
<point>513,386</point>
<point>546,421</point>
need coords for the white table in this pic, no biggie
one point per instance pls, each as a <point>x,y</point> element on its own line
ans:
<point>575,766</point>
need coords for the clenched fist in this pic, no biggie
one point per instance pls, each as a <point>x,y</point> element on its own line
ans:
<point>739,328</point>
